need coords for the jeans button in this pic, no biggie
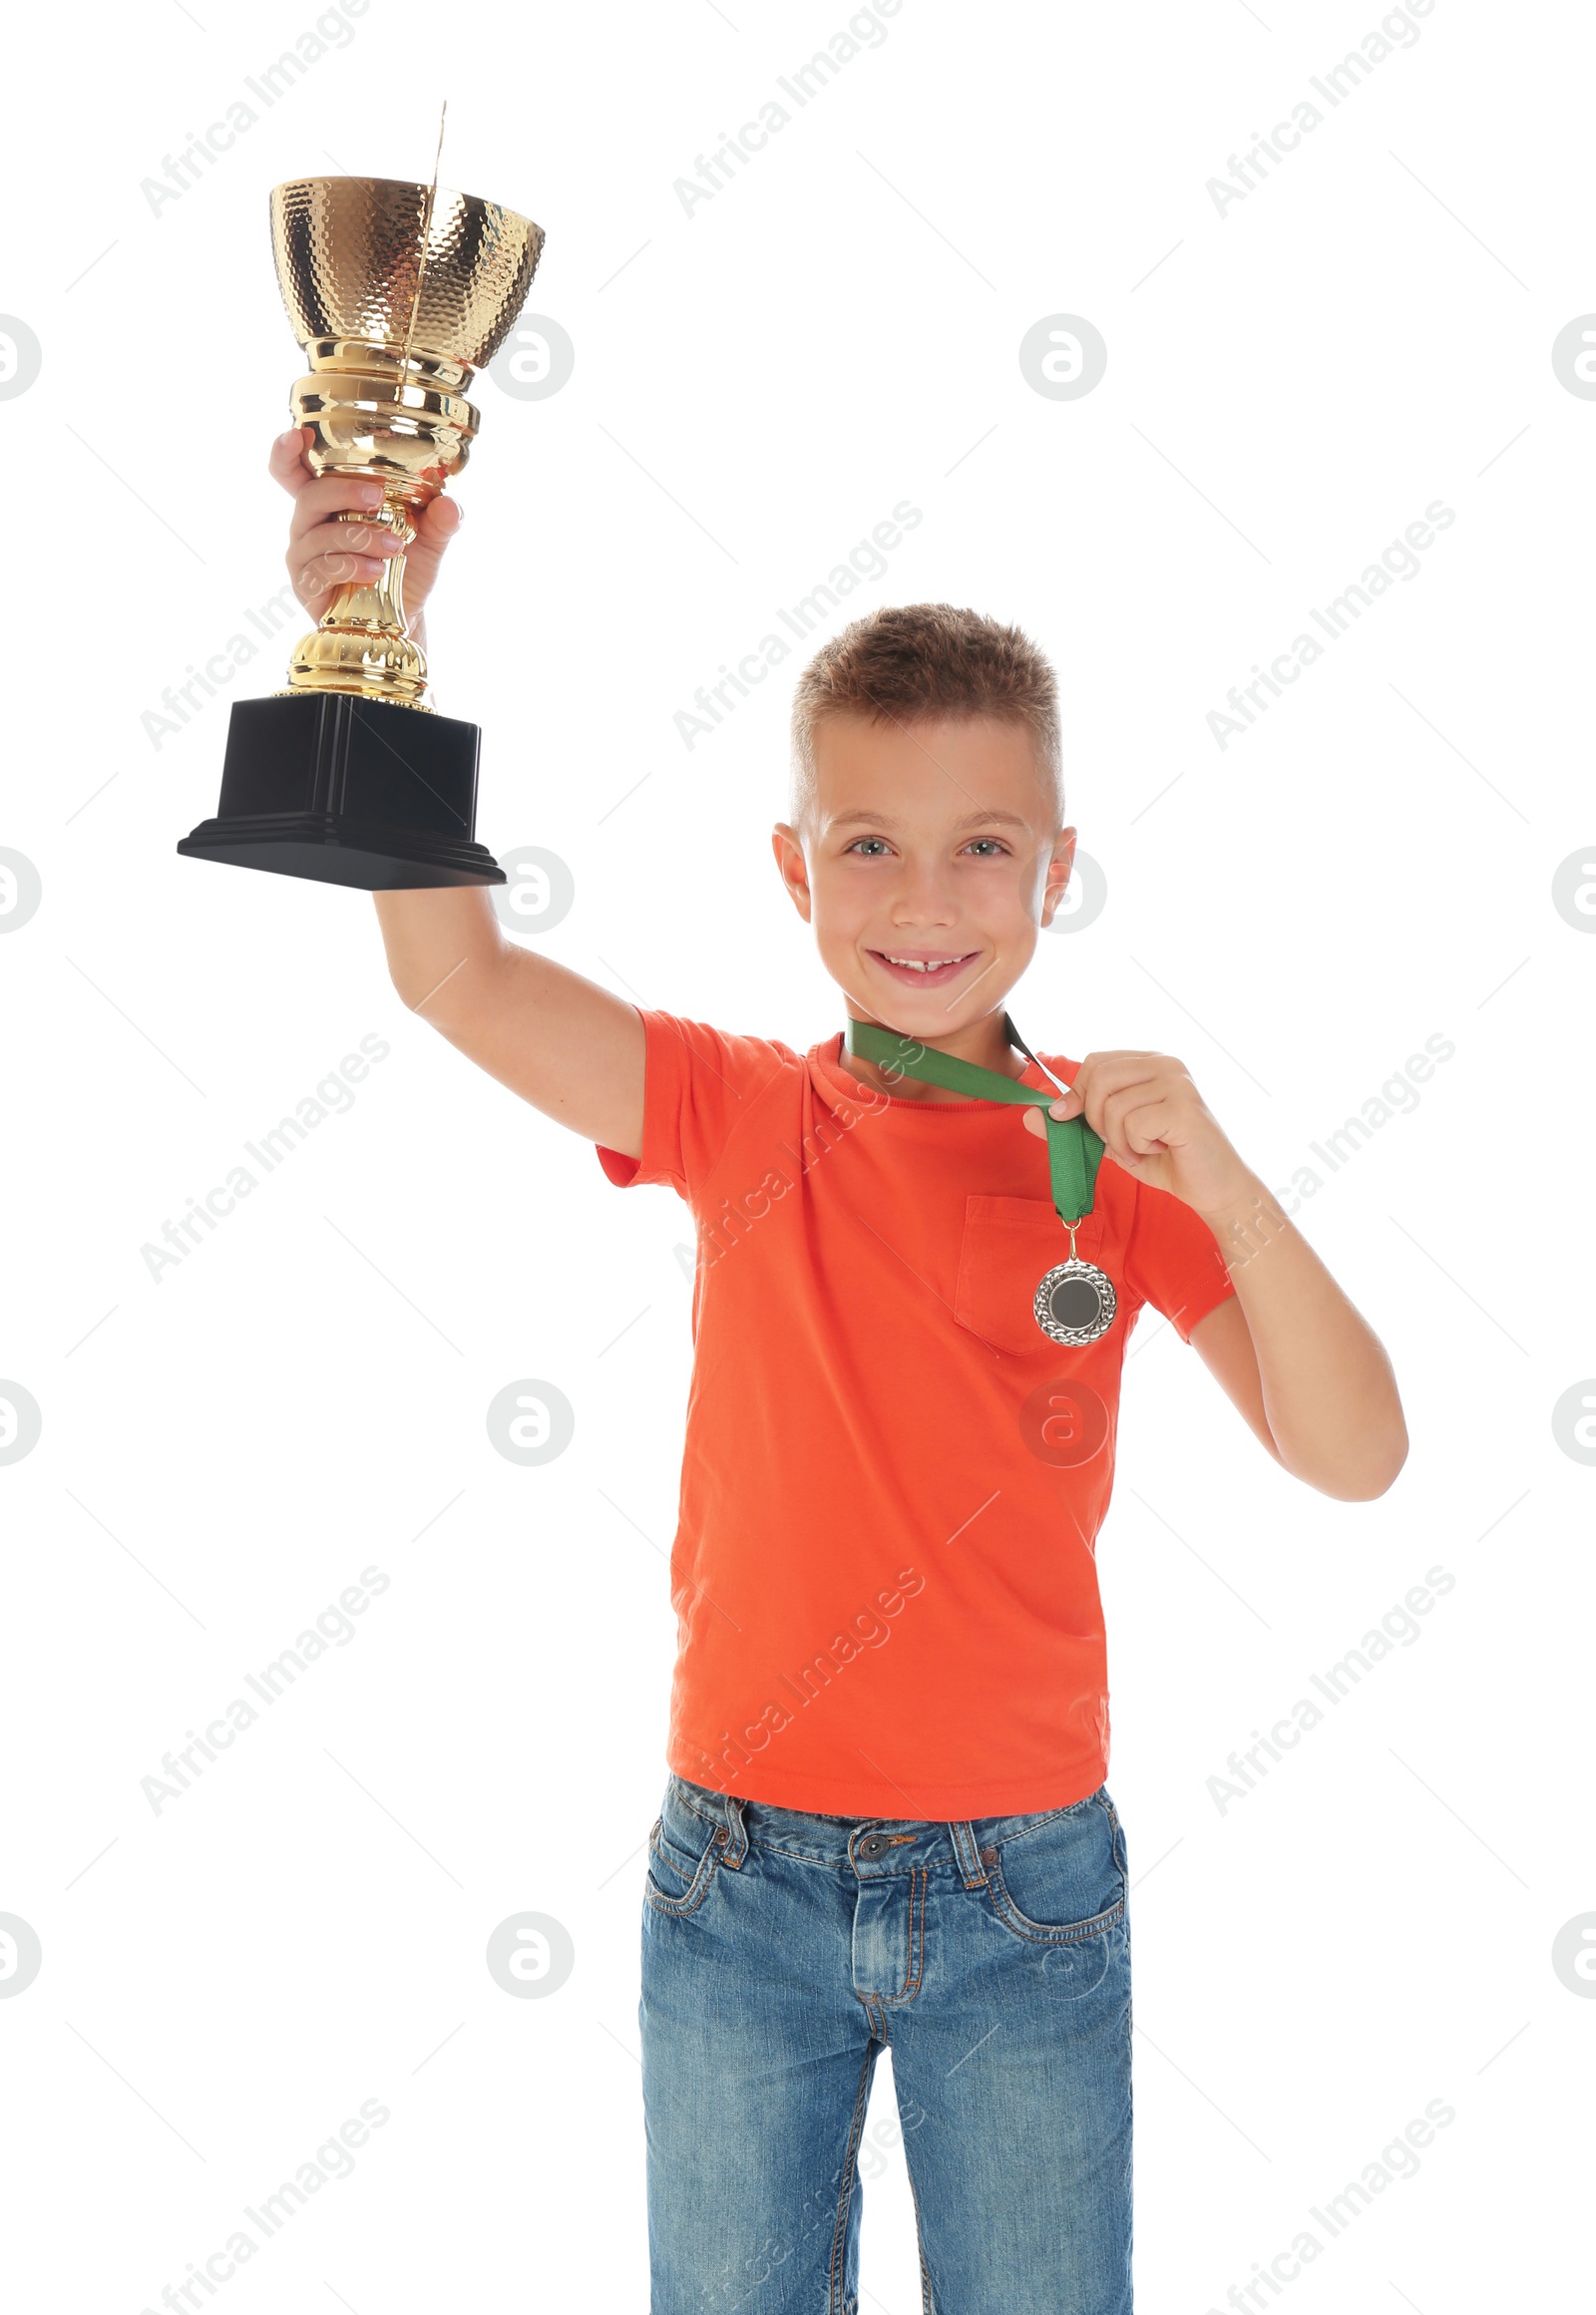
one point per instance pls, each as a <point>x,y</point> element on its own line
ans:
<point>988,1856</point>
<point>871,1845</point>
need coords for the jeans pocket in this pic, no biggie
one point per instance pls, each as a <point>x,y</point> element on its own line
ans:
<point>1058,1879</point>
<point>681,1865</point>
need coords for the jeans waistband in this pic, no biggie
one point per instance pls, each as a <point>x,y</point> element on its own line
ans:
<point>837,1840</point>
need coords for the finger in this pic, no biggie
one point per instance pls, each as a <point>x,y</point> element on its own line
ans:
<point>336,564</point>
<point>1111,1125</point>
<point>1068,1103</point>
<point>1141,1127</point>
<point>435,526</point>
<point>345,537</point>
<point>315,577</point>
<point>317,582</point>
<point>1036,1116</point>
<point>286,461</point>
<point>1154,1098</point>
<point>1111,1118</point>
<point>1101,1075</point>
<point>330,495</point>
<point>441,520</point>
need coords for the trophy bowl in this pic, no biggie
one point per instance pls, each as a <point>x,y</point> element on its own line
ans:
<point>397,294</point>
<point>417,284</point>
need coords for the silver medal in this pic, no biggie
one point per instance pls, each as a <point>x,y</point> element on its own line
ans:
<point>1075,1302</point>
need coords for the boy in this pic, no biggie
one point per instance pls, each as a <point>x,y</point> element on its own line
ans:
<point>886,1818</point>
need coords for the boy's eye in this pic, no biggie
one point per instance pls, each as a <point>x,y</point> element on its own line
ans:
<point>994,846</point>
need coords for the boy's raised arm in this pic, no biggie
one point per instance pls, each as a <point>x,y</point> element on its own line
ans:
<point>569,1047</point>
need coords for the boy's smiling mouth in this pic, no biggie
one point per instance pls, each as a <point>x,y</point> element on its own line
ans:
<point>922,967</point>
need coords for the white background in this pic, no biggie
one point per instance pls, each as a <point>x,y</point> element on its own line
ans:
<point>1289,384</point>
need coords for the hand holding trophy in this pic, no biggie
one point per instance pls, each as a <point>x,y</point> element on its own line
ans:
<point>398,294</point>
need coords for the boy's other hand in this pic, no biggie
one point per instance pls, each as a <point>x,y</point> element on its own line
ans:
<point>1156,1125</point>
<point>325,554</point>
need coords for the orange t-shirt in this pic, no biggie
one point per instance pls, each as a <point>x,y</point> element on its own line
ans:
<point>892,1481</point>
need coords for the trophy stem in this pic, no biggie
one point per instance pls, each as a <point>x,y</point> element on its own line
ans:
<point>361,643</point>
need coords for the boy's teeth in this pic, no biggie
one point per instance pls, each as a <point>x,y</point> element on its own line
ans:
<point>921,963</point>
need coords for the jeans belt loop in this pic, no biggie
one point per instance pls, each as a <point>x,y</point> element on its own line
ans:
<point>736,1835</point>
<point>966,1852</point>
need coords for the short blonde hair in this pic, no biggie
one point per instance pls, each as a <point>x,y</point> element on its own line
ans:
<point>914,663</point>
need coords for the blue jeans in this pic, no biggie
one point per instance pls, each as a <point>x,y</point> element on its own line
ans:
<point>782,1951</point>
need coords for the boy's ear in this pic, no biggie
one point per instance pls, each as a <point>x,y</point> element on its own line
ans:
<point>791,865</point>
<point>1059,868</point>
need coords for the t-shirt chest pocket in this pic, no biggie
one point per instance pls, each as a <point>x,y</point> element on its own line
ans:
<point>1010,1245</point>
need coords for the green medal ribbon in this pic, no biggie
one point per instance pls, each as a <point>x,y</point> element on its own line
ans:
<point>1073,1149</point>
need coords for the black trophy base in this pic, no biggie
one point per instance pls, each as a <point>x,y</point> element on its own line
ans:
<point>350,791</point>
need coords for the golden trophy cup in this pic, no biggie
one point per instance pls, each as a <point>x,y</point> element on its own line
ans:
<point>397,294</point>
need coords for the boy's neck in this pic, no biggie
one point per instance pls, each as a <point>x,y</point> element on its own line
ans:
<point>985,1042</point>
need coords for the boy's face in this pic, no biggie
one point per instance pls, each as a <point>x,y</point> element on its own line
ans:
<point>931,841</point>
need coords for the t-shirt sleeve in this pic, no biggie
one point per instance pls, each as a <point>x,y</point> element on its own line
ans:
<point>1173,1260</point>
<point>697,1082</point>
